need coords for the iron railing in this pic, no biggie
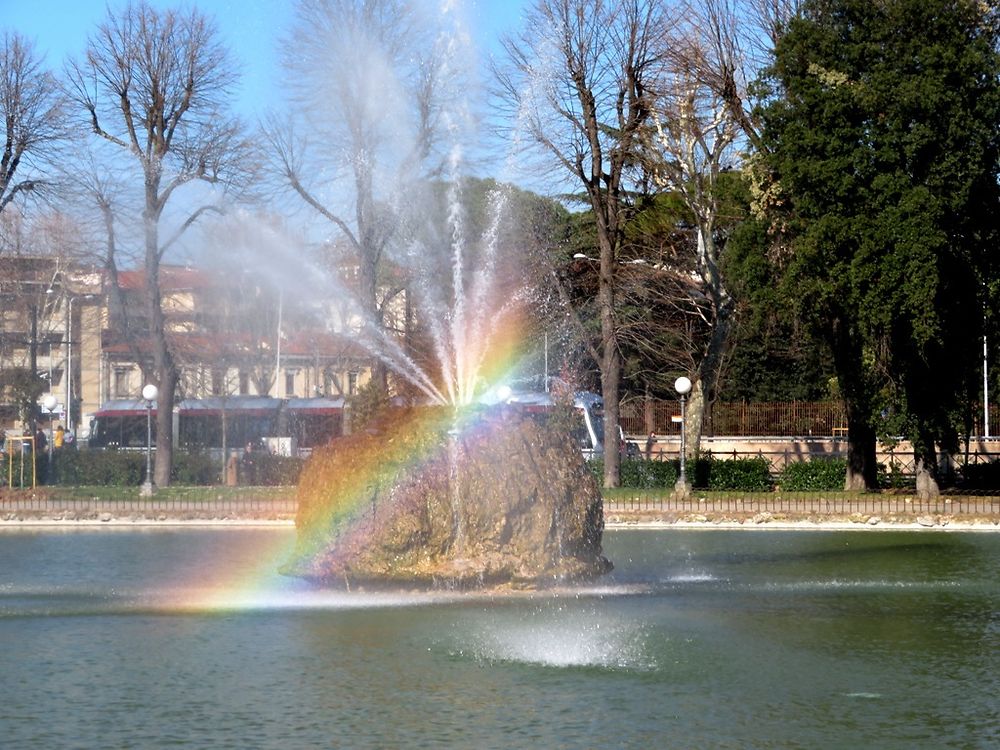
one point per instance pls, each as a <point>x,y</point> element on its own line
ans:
<point>742,419</point>
<point>739,419</point>
<point>621,501</point>
<point>173,506</point>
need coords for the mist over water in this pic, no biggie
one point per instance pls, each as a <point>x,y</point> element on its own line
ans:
<point>409,85</point>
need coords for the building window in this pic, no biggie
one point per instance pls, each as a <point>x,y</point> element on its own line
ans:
<point>289,383</point>
<point>244,383</point>
<point>218,381</point>
<point>352,383</point>
<point>119,388</point>
<point>331,384</point>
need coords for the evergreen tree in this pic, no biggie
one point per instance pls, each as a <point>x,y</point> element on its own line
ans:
<point>882,142</point>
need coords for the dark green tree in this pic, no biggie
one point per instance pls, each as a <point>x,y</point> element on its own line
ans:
<point>880,150</point>
<point>773,355</point>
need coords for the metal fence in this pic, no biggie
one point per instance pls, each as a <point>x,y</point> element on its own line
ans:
<point>622,501</point>
<point>742,419</point>
<point>173,507</point>
<point>739,419</point>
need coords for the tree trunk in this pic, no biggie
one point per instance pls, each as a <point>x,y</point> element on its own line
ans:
<point>610,383</point>
<point>706,379</point>
<point>927,486</point>
<point>164,428</point>
<point>164,367</point>
<point>611,360</point>
<point>925,466</point>
<point>862,468</point>
<point>862,471</point>
<point>694,419</point>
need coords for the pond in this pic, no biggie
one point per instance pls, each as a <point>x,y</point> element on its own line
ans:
<point>151,637</point>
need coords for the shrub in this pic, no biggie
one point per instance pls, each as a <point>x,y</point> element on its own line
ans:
<point>639,474</point>
<point>745,474</point>
<point>981,476</point>
<point>643,474</point>
<point>818,474</point>
<point>892,477</point>
<point>278,471</point>
<point>128,468</point>
<point>195,469</point>
<point>84,467</point>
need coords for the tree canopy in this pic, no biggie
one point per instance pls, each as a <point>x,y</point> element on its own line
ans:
<point>882,139</point>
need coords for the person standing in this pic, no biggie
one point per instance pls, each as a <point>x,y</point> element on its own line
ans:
<point>58,437</point>
<point>41,442</point>
<point>249,465</point>
<point>650,442</point>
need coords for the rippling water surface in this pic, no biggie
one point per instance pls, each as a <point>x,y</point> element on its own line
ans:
<point>131,638</point>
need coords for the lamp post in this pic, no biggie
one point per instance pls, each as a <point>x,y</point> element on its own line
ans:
<point>49,402</point>
<point>149,392</point>
<point>683,387</point>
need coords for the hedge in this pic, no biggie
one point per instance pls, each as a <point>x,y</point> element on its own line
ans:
<point>745,474</point>
<point>981,476</point>
<point>128,469</point>
<point>818,474</point>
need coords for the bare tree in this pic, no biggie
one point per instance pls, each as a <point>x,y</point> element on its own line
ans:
<point>724,44</point>
<point>692,143</point>
<point>96,194</point>
<point>366,81</point>
<point>31,105</point>
<point>154,84</point>
<point>579,77</point>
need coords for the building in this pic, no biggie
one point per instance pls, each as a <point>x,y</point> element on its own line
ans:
<point>231,335</point>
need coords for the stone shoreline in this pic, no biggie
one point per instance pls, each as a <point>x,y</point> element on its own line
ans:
<point>785,521</point>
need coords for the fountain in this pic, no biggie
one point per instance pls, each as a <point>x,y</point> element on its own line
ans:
<point>453,493</point>
<point>449,492</point>
<point>504,500</point>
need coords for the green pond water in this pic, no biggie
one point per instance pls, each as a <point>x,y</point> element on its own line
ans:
<point>132,638</point>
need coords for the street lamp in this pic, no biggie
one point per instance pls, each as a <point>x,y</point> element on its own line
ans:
<point>683,387</point>
<point>149,392</point>
<point>49,403</point>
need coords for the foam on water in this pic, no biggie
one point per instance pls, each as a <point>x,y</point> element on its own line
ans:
<point>554,637</point>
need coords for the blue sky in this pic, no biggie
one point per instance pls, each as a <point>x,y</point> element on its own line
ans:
<point>249,27</point>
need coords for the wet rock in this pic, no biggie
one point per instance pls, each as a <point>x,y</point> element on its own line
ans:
<point>502,501</point>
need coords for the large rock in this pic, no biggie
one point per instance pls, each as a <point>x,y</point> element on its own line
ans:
<point>504,500</point>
